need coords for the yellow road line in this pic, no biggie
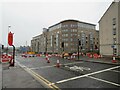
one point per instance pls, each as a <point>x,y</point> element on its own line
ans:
<point>39,77</point>
<point>53,86</point>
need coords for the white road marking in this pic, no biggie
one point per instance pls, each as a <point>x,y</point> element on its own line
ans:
<point>48,66</point>
<point>55,65</point>
<point>104,81</point>
<point>72,63</point>
<point>115,71</point>
<point>65,80</point>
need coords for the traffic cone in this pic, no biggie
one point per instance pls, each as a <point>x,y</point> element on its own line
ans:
<point>48,61</point>
<point>114,61</point>
<point>47,58</point>
<point>71,57</point>
<point>58,64</point>
<point>74,56</point>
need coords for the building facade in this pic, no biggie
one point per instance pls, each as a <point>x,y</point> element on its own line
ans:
<point>109,29</point>
<point>69,33</point>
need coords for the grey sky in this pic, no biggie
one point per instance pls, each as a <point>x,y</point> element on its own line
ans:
<point>27,19</point>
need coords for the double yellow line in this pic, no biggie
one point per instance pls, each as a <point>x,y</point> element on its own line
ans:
<point>39,78</point>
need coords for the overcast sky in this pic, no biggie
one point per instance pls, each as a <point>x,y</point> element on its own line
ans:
<point>28,17</point>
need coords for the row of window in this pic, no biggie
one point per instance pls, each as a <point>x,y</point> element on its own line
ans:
<point>114,30</point>
<point>80,25</point>
<point>88,26</point>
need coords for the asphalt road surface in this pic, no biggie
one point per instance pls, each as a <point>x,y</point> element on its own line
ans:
<point>72,74</point>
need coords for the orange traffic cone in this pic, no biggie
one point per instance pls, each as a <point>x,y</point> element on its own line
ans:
<point>46,57</point>
<point>71,57</point>
<point>114,61</point>
<point>58,64</point>
<point>48,61</point>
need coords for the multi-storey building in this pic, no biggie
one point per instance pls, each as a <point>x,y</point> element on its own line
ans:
<point>109,26</point>
<point>69,32</point>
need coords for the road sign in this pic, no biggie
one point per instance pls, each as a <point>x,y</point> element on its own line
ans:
<point>10,38</point>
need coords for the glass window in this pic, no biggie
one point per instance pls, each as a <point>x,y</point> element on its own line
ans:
<point>114,40</point>
<point>114,31</point>
<point>66,44</point>
<point>114,21</point>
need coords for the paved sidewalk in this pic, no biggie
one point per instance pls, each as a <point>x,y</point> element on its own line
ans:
<point>16,77</point>
<point>106,60</point>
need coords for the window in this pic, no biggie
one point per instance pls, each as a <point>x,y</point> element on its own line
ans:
<point>114,31</point>
<point>114,40</point>
<point>66,35</point>
<point>66,44</point>
<point>114,21</point>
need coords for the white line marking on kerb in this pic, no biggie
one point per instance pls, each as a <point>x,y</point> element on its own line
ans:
<point>103,81</point>
<point>87,75</point>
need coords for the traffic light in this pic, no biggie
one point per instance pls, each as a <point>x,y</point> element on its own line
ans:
<point>79,42</point>
<point>62,44</point>
<point>2,46</point>
<point>96,47</point>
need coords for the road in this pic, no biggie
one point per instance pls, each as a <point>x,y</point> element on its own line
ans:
<point>71,74</point>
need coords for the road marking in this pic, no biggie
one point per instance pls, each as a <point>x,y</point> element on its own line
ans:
<point>72,63</point>
<point>103,81</point>
<point>55,65</point>
<point>115,71</point>
<point>39,78</point>
<point>65,80</point>
<point>48,66</point>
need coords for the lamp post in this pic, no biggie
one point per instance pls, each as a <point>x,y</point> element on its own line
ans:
<point>46,45</point>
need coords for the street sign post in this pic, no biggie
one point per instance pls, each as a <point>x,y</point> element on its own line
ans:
<point>10,42</point>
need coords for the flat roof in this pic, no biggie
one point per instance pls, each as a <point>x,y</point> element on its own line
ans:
<point>72,20</point>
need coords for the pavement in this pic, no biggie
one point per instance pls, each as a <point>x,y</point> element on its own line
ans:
<point>16,77</point>
<point>0,76</point>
